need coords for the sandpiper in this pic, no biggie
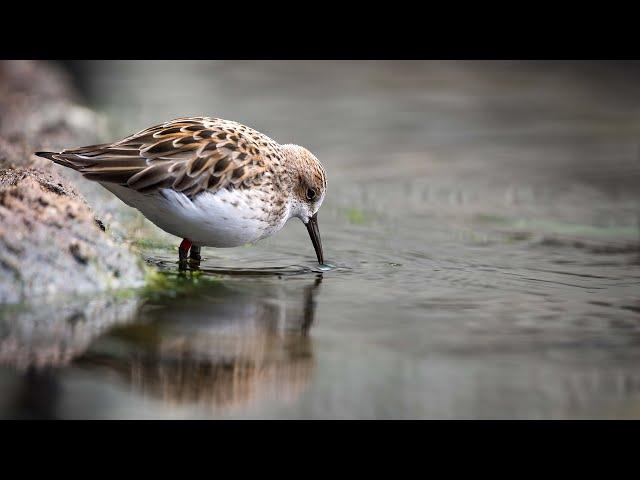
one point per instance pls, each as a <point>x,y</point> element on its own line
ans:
<point>209,181</point>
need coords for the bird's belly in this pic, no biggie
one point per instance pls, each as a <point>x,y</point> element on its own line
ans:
<point>221,219</point>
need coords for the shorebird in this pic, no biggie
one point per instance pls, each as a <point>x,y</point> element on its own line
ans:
<point>209,181</point>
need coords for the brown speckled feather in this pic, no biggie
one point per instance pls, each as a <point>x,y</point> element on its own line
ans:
<point>189,155</point>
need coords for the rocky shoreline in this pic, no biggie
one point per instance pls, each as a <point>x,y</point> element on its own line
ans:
<point>51,242</point>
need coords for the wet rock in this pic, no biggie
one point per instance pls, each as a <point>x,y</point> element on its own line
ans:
<point>50,241</point>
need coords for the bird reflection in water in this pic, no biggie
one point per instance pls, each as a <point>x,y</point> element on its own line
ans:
<point>228,345</point>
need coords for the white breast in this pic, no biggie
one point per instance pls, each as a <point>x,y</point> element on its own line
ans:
<point>221,219</point>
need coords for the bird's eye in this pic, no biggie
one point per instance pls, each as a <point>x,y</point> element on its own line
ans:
<point>311,194</point>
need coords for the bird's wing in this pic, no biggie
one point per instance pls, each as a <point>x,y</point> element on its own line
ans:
<point>188,155</point>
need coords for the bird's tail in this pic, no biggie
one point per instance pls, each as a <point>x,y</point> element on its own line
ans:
<point>74,158</point>
<point>57,158</point>
<point>47,155</point>
<point>99,162</point>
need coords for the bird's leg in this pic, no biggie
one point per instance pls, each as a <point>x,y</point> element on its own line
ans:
<point>194,257</point>
<point>195,253</point>
<point>183,250</point>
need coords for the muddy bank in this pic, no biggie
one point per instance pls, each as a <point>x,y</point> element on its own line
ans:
<point>50,241</point>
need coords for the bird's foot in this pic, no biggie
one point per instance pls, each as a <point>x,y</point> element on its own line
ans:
<point>188,255</point>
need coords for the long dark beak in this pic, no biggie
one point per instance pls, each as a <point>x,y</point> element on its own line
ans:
<point>314,233</point>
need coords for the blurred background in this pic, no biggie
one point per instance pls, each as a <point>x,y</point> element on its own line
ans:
<point>481,221</point>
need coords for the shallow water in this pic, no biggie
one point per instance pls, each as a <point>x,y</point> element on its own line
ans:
<point>481,228</point>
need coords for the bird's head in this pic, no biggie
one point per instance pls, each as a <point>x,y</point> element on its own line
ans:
<point>308,188</point>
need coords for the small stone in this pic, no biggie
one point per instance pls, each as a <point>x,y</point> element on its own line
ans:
<point>79,252</point>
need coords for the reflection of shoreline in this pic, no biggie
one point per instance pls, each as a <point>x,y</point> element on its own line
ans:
<point>235,346</point>
<point>51,335</point>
